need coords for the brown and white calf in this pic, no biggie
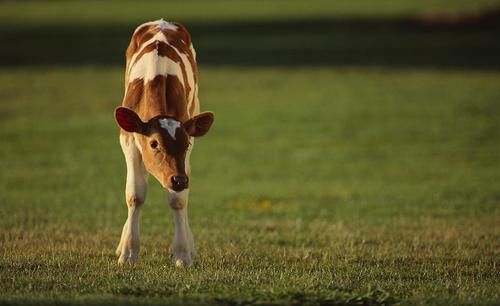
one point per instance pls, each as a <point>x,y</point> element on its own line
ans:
<point>159,119</point>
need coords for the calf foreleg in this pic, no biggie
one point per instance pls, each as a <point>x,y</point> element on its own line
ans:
<point>135,194</point>
<point>183,245</point>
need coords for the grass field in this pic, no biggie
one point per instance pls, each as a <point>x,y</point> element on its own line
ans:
<point>372,179</point>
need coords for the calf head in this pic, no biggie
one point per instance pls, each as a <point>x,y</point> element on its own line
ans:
<point>163,142</point>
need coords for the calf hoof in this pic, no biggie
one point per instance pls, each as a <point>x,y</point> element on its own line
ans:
<point>182,257</point>
<point>126,255</point>
<point>183,262</point>
<point>131,259</point>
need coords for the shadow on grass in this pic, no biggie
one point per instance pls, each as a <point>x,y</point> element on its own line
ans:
<point>410,42</point>
<point>340,298</point>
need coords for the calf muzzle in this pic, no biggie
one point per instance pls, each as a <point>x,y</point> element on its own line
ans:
<point>179,182</point>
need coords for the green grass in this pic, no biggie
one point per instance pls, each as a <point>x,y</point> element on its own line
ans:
<point>364,174</point>
<point>310,187</point>
<point>113,11</point>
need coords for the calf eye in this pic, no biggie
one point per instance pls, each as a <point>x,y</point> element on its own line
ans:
<point>153,144</point>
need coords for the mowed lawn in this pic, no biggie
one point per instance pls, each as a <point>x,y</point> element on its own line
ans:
<point>317,185</point>
<point>314,184</point>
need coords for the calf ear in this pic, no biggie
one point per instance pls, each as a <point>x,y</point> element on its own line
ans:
<point>199,124</point>
<point>128,120</point>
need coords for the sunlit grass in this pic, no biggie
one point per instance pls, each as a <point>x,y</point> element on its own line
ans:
<point>314,186</point>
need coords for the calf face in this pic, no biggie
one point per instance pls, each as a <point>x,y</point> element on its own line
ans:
<point>163,142</point>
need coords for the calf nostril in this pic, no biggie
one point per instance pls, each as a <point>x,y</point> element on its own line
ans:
<point>180,180</point>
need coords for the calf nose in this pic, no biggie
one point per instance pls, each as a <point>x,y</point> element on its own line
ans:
<point>179,182</point>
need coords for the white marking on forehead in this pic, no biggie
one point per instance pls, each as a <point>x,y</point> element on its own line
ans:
<point>170,125</point>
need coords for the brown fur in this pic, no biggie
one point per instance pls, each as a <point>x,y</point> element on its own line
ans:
<point>181,40</point>
<point>163,97</point>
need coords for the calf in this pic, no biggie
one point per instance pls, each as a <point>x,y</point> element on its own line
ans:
<point>159,119</point>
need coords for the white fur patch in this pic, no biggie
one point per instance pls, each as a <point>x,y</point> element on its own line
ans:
<point>167,26</point>
<point>147,24</point>
<point>164,25</point>
<point>170,125</point>
<point>150,64</point>
<point>189,73</point>
<point>192,51</point>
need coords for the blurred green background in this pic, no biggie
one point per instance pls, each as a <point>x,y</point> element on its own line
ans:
<point>452,34</point>
<point>354,159</point>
